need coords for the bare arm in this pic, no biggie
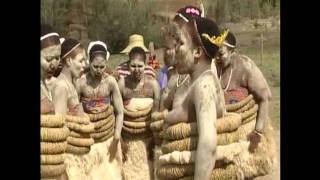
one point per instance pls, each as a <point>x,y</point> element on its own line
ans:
<point>78,84</point>
<point>205,107</point>
<point>258,86</point>
<point>156,95</point>
<point>59,98</point>
<point>168,93</point>
<point>118,107</point>
<point>121,85</point>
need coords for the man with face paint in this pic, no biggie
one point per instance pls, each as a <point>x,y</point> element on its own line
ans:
<point>56,74</point>
<point>65,96</point>
<point>99,90</point>
<point>238,73</point>
<point>141,95</point>
<point>50,59</point>
<point>137,83</point>
<point>196,46</point>
<point>176,84</point>
<point>123,69</point>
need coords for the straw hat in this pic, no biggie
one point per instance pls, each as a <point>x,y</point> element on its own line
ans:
<point>135,40</point>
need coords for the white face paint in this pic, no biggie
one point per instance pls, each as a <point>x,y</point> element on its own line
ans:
<point>98,66</point>
<point>77,64</point>
<point>223,56</point>
<point>49,60</point>
<point>183,51</point>
<point>136,67</point>
<point>171,43</point>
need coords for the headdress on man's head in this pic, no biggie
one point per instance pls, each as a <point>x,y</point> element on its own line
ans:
<point>95,47</point>
<point>68,46</point>
<point>48,36</point>
<point>188,12</point>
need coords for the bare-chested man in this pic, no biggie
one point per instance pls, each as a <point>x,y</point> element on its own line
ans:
<point>139,84</point>
<point>238,71</point>
<point>65,96</point>
<point>139,91</point>
<point>196,46</point>
<point>96,87</point>
<point>178,83</point>
<point>50,58</point>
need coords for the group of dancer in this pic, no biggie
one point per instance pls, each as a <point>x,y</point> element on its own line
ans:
<point>204,72</point>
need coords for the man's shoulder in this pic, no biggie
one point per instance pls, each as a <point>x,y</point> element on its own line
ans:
<point>243,61</point>
<point>83,77</point>
<point>109,78</point>
<point>205,80</point>
<point>203,85</point>
<point>60,85</point>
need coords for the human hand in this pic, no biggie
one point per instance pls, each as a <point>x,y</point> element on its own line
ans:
<point>254,138</point>
<point>113,148</point>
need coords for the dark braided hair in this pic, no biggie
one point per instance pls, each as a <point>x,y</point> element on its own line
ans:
<point>137,51</point>
<point>67,49</point>
<point>97,49</point>
<point>51,40</point>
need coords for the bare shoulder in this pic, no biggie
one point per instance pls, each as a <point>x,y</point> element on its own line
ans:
<point>51,82</point>
<point>121,82</point>
<point>82,79</point>
<point>204,84</point>
<point>172,81</point>
<point>110,80</point>
<point>149,79</point>
<point>60,86</point>
<point>244,62</point>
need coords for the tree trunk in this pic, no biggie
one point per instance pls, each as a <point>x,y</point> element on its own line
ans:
<point>222,11</point>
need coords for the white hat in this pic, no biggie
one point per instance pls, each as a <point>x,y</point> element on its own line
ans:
<point>93,43</point>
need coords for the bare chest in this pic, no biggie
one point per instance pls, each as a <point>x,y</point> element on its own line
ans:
<point>233,79</point>
<point>100,91</point>
<point>140,90</point>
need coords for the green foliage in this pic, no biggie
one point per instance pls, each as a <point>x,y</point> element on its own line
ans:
<point>235,10</point>
<point>111,21</point>
<point>115,27</point>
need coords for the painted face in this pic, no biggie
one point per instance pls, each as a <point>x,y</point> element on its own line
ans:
<point>136,67</point>
<point>223,56</point>
<point>171,43</point>
<point>183,51</point>
<point>98,66</point>
<point>49,60</point>
<point>77,64</point>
